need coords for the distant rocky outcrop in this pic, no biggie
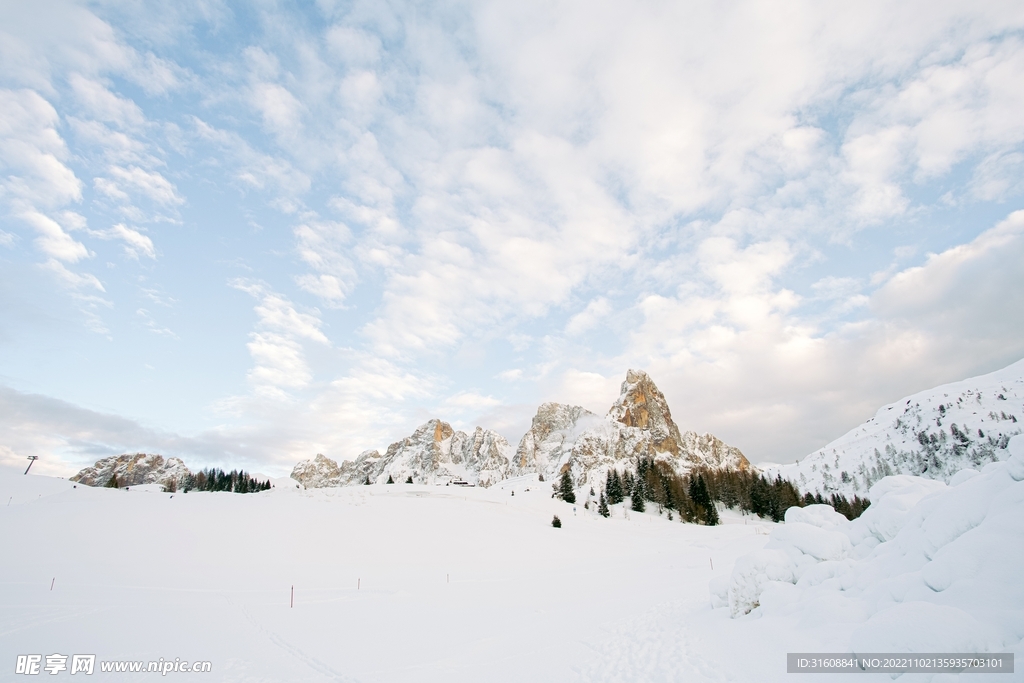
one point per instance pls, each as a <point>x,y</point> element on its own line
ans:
<point>133,470</point>
<point>320,472</point>
<point>561,438</point>
<point>434,453</point>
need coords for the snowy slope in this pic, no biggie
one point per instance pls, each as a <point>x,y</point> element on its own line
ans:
<point>934,434</point>
<point>414,583</point>
<point>392,583</point>
<point>927,568</point>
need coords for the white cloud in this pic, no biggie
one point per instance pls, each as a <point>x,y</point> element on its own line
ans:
<point>74,280</point>
<point>53,240</point>
<point>153,325</point>
<point>32,153</point>
<point>471,400</point>
<point>323,245</point>
<point>81,287</point>
<point>135,242</point>
<point>460,182</point>
<point>103,105</point>
<point>254,169</point>
<point>974,286</point>
<point>150,184</point>
<point>276,345</point>
<point>282,113</point>
<point>589,317</point>
<point>353,46</point>
<point>328,287</point>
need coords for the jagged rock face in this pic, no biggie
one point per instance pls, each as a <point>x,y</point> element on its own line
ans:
<point>707,451</point>
<point>642,405</point>
<point>319,472</point>
<point>555,428</point>
<point>489,454</point>
<point>639,424</point>
<point>133,470</point>
<point>561,438</point>
<point>434,453</point>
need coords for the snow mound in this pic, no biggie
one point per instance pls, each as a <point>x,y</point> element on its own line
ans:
<point>891,502</point>
<point>921,627</point>
<point>927,568</point>
<point>752,574</point>
<point>823,516</point>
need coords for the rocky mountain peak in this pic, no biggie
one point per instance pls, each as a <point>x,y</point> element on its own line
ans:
<point>442,430</point>
<point>433,453</point>
<point>318,472</point>
<point>642,405</point>
<point>133,469</point>
<point>561,438</point>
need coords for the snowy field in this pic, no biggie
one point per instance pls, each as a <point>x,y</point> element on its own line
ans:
<point>423,583</point>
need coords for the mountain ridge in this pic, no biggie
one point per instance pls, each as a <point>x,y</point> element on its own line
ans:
<point>933,433</point>
<point>561,438</point>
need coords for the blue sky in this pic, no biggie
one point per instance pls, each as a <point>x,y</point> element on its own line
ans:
<point>246,233</point>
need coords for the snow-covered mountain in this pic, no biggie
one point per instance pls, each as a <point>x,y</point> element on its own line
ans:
<point>433,453</point>
<point>932,434</point>
<point>133,470</point>
<point>561,438</point>
<point>639,424</point>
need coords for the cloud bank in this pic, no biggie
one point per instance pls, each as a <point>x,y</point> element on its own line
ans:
<point>788,213</point>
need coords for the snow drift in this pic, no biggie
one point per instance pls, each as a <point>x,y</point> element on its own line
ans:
<point>929,567</point>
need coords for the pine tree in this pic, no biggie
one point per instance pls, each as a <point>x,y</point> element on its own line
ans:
<point>565,489</point>
<point>670,501</point>
<point>602,506</point>
<point>367,481</point>
<point>390,480</point>
<point>112,484</point>
<point>556,522</point>
<point>760,504</point>
<point>409,479</point>
<point>636,496</point>
<point>702,499</point>
<point>614,488</point>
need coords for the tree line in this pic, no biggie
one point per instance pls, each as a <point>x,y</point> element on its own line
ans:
<point>214,479</point>
<point>693,496</point>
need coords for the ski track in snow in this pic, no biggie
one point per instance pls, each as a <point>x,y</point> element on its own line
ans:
<point>291,650</point>
<point>655,647</point>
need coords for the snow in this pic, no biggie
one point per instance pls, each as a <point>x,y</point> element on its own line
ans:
<point>441,583</point>
<point>934,434</point>
<point>927,568</point>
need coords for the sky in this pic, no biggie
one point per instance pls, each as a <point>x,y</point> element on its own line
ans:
<point>246,233</point>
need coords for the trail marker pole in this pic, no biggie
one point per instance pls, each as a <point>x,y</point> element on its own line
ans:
<point>292,602</point>
<point>31,459</point>
<point>358,583</point>
<point>447,578</point>
<point>712,564</point>
<point>53,582</point>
